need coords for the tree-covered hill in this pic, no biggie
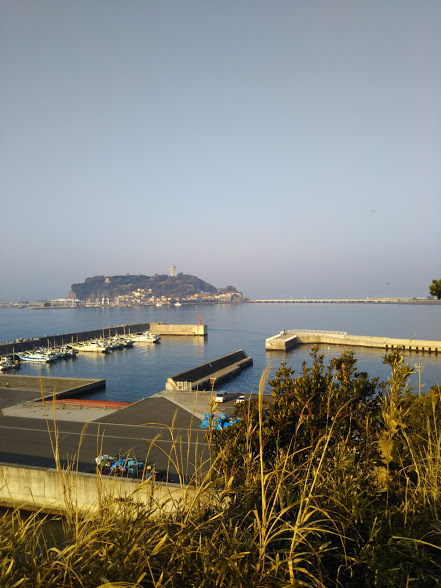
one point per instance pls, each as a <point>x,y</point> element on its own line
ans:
<point>179,286</point>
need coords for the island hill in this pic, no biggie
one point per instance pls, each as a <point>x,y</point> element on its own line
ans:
<point>157,290</point>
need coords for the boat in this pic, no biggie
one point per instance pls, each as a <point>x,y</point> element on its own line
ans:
<point>123,341</point>
<point>6,364</point>
<point>146,337</point>
<point>91,346</point>
<point>38,356</point>
<point>65,352</point>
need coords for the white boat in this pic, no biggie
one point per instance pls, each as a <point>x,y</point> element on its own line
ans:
<point>146,337</point>
<point>6,364</point>
<point>91,346</point>
<point>123,341</point>
<point>37,356</point>
<point>65,351</point>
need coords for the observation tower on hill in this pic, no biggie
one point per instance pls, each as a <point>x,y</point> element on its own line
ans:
<point>172,270</point>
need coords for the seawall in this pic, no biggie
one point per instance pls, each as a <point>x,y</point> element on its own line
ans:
<point>184,330</point>
<point>210,373</point>
<point>55,340</point>
<point>50,490</point>
<point>286,340</point>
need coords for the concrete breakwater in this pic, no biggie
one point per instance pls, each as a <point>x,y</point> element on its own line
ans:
<point>286,340</point>
<point>55,340</point>
<point>48,387</point>
<point>210,373</point>
<point>164,329</point>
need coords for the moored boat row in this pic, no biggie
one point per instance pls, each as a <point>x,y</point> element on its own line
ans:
<point>103,345</point>
<point>70,350</point>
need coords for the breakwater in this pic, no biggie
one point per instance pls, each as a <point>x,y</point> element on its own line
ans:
<point>210,373</point>
<point>286,340</point>
<point>50,341</point>
<point>46,388</point>
<point>164,329</point>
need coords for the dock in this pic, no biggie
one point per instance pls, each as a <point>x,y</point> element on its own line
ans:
<point>286,340</point>
<point>211,373</point>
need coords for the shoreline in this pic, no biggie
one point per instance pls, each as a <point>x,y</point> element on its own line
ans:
<point>380,300</point>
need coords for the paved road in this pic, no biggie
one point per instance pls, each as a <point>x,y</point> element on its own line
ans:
<point>153,428</point>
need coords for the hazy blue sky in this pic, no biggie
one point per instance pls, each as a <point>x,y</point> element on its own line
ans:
<point>290,148</point>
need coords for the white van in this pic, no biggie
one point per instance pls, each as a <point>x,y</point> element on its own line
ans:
<point>221,396</point>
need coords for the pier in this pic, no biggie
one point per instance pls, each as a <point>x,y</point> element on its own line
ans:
<point>286,340</point>
<point>210,373</point>
<point>48,388</point>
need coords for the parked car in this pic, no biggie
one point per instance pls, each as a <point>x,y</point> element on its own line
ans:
<point>221,396</point>
<point>241,399</point>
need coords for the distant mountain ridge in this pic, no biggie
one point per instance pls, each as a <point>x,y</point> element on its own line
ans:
<point>181,286</point>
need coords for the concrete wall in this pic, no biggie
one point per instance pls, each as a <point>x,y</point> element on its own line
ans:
<point>53,491</point>
<point>219,368</point>
<point>61,386</point>
<point>288,339</point>
<point>188,330</point>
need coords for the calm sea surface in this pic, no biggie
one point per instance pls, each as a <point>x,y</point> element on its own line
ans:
<point>139,372</point>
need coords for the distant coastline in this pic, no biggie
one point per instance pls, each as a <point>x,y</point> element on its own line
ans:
<point>43,305</point>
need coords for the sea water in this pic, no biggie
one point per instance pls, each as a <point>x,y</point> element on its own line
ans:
<point>142,371</point>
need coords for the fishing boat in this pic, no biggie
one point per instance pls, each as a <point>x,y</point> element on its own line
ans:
<point>38,356</point>
<point>65,352</point>
<point>91,346</point>
<point>146,337</point>
<point>6,364</point>
<point>122,341</point>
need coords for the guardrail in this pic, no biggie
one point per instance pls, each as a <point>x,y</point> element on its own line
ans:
<point>316,331</point>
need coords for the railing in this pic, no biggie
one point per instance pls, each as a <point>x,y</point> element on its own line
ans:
<point>316,331</point>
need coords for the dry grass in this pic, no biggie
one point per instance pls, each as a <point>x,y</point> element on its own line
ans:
<point>322,520</point>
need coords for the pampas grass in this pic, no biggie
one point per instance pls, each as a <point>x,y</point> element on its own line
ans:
<point>322,520</point>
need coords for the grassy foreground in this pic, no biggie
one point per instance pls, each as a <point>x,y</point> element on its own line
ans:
<point>335,482</point>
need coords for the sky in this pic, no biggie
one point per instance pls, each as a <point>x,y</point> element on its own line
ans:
<point>291,149</point>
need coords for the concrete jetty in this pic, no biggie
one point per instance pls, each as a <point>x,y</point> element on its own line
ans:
<point>164,329</point>
<point>210,373</point>
<point>48,388</point>
<point>286,340</point>
<point>47,341</point>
